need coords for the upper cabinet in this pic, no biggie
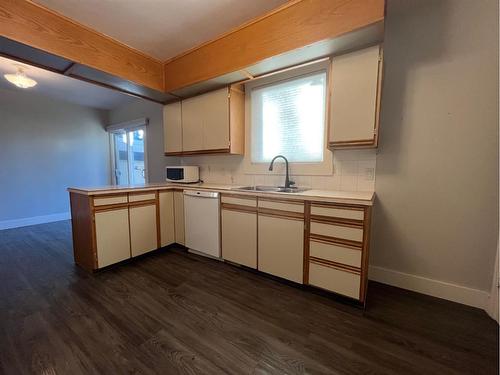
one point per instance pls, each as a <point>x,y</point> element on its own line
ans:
<point>355,99</point>
<point>209,123</point>
<point>172,125</point>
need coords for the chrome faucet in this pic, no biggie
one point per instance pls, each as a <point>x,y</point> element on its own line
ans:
<point>288,183</point>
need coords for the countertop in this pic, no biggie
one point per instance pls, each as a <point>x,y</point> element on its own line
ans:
<point>349,197</point>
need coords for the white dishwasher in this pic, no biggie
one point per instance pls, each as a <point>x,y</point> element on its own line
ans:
<point>202,223</point>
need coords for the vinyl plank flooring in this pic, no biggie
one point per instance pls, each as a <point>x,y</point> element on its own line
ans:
<point>178,313</point>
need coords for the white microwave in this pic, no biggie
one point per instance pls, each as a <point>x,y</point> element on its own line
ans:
<point>183,174</point>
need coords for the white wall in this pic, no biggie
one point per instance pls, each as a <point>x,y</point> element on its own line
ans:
<point>436,215</point>
<point>46,146</point>
<point>154,134</point>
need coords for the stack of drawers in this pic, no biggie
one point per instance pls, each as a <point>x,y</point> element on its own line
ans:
<point>338,248</point>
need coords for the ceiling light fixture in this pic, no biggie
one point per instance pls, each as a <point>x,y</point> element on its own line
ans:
<point>20,79</point>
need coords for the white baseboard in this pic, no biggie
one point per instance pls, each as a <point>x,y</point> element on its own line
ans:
<point>452,292</point>
<point>16,223</point>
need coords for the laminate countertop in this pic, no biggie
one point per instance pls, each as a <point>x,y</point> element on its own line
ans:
<point>334,196</point>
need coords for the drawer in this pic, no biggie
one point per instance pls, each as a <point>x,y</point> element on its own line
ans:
<point>342,213</point>
<point>282,206</point>
<point>141,197</point>
<point>106,200</point>
<point>241,201</point>
<point>337,231</point>
<point>335,253</point>
<point>335,280</point>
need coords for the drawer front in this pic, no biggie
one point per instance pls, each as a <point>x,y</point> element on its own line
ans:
<point>250,201</point>
<point>141,197</point>
<point>335,253</point>
<point>342,213</point>
<point>282,206</point>
<point>337,231</point>
<point>106,200</point>
<point>335,280</point>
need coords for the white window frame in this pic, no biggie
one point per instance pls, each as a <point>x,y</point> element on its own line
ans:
<point>139,124</point>
<point>296,168</point>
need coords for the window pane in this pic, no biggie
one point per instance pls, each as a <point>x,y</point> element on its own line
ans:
<point>138,171</point>
<point>120,142</point>
<point>288,118</point>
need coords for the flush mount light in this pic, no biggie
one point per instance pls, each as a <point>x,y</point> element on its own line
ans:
<point>20,79</point>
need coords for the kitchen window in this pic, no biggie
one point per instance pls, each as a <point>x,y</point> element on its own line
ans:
<point>128,152</point>
<point>287,116</point>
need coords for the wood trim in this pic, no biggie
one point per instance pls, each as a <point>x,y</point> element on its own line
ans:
<point>343,206</point>
<point>238,208</point>
<point>82,228</point>
<point>158,219</point>
<point>339,266</point>
<point>280,214</point>
<point>307,229</point>
<point>239,196</point>
<point>353,143</point>
<point>199,152</point>
<point>329,242</point>
<point>285,200</point>
<point>119,89</point>
<point>365,255</point>
<point>36,26</point>
<point>379,94</point>
<point>149,202</point>
<point>354,223</point>
<point>110,207</point>
<point>338,222</point>
<point>292,26</point>
<point>335,240</point>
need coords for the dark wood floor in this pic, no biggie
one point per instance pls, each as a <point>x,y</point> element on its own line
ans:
<point>174,312</point>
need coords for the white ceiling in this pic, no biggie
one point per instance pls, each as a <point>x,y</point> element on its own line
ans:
<point>64,88</point>
<point>162,28</point>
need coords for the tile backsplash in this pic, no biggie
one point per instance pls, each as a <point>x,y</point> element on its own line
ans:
<point>353,170</point>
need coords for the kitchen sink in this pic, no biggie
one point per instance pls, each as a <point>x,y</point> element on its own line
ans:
<point>275,189</point>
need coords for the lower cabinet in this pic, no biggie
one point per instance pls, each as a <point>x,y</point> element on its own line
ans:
<point>111,234</point>
<point>167,222</point>
<point>143,229</point>
<point>179,217</point>
<point>339,280</point>
<point>281,246</point>
<point>338,248</point>
<point>239,237</point>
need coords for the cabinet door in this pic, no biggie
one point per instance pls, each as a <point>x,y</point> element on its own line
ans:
<point>179,217</point>
<point>239,237</point>
<point>354,98</point>
<point>143,231</point>
<point>281,247</point>
<point>172,127</point>
<point>112,236</point>
<point>167,225</point>
<point>192,123</point>
<point>216,120</point>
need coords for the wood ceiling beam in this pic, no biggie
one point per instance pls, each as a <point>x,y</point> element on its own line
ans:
<point>296,24</point>
<point>39,27</point>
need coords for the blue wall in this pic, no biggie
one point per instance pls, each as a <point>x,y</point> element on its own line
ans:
<point>45,146</point>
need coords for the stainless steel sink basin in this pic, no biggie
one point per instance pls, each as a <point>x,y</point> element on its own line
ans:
<point>276,189</point>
